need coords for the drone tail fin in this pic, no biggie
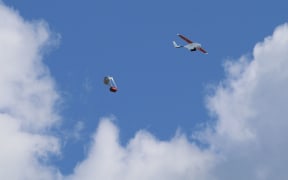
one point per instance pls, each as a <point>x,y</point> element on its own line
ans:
<point>176,45</point>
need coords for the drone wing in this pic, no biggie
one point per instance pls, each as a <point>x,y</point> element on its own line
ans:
<point>202,50</point>
<point>185,38</point>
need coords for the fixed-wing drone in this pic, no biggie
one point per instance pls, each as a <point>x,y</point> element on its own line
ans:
<point>191,46</point>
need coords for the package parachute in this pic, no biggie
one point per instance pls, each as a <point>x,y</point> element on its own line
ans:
<point>108,80</point>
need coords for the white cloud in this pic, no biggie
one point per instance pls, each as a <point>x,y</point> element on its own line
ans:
<point>25,82</point>
<point>144,158</point>
<point>27,102</point>
<point>251,111</point>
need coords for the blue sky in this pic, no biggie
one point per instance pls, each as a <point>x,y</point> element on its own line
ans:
<point>161,89</point>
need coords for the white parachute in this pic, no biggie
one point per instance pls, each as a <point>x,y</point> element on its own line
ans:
<point>108,80</point>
